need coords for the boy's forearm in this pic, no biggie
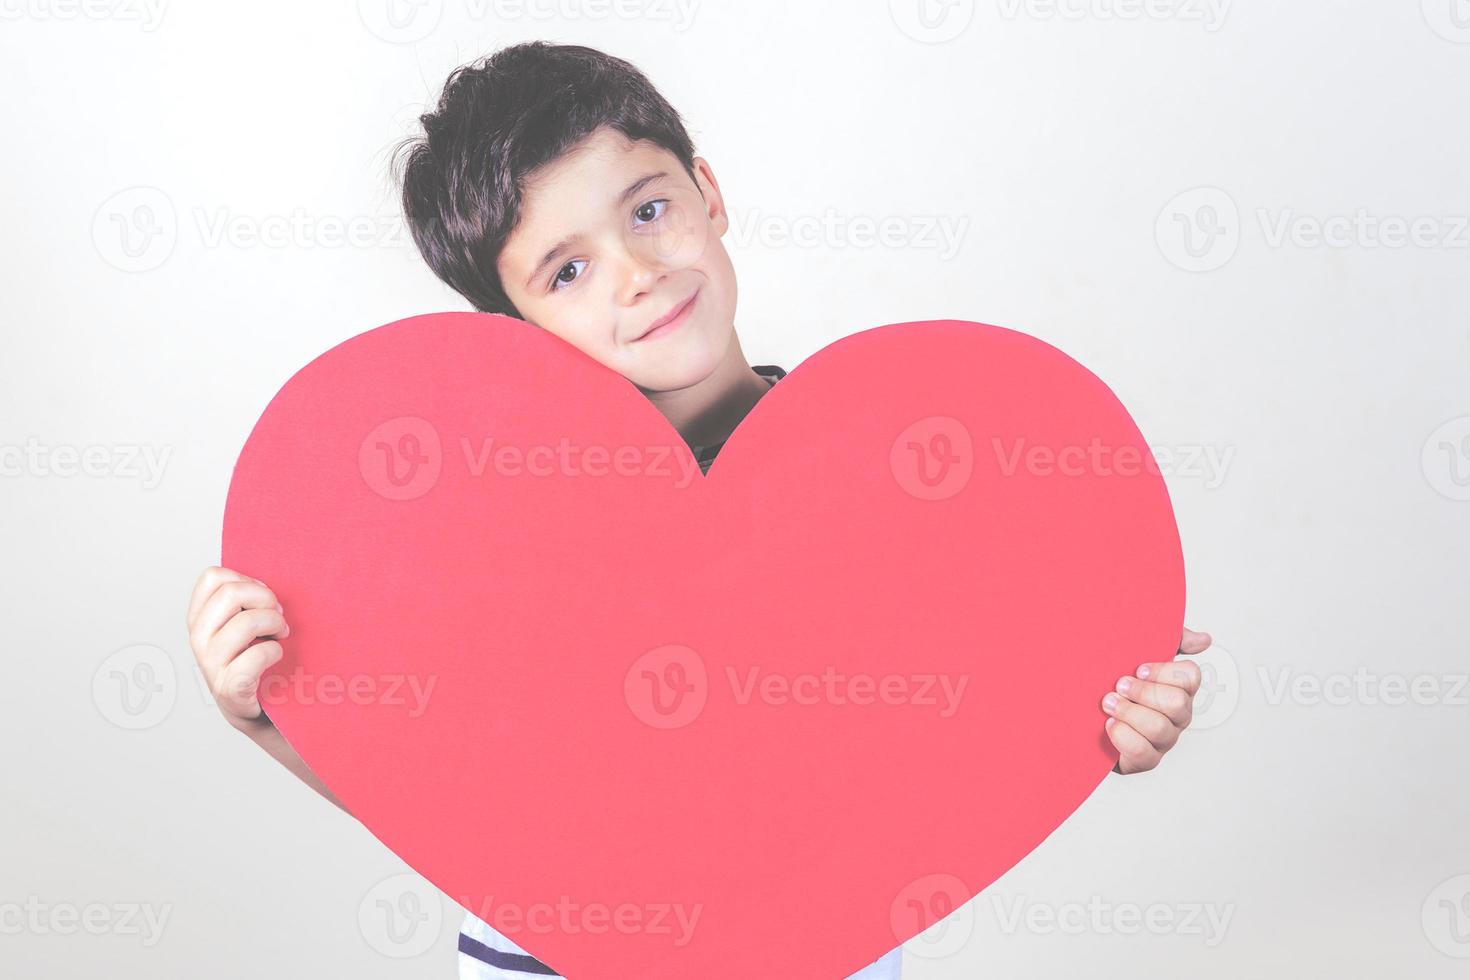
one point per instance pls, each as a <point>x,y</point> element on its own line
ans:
<point>266,735</point>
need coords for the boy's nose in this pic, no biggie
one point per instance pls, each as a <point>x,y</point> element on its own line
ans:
<point>637,276</point>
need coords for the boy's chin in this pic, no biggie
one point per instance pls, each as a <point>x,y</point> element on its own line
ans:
<point>675,362</point>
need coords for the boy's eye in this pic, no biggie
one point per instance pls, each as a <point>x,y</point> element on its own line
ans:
<point>644,209</point>
<point>561,280</point>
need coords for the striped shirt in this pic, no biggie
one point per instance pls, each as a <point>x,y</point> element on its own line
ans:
<point>485,954</point>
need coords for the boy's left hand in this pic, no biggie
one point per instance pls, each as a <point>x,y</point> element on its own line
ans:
<point>1153,707</point>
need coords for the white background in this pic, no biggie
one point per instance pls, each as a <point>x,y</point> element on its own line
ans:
<point>1327,545</point>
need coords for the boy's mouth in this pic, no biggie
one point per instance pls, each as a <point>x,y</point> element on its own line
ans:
<point>671,320</point>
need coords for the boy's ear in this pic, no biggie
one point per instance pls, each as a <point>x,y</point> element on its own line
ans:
<point>709,189</point>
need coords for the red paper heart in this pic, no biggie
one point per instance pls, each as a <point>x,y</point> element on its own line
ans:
<point>646,696</point>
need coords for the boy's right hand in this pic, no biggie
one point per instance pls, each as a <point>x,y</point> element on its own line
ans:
<point>235,625</point>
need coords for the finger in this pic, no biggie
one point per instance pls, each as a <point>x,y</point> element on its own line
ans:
<point>1174,703</point>
<point>243,629</point>
<point>1135,753</point>
<point>229,599</point>
<point>209,580</point>
<point>1183,674</point>
<point>1152,725</point>
<point>238,687</point>
<point>1194,642</point>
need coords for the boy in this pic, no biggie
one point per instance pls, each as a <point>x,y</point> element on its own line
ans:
<point>554,184</point>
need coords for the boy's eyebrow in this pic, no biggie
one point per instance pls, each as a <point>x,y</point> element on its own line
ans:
<point>628,192</point>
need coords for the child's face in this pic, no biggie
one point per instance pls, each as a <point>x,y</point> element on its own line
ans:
<point>628,252</point>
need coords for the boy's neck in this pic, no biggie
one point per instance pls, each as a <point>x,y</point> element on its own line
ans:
<point>707,412</point>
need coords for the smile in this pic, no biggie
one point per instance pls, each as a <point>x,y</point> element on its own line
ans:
<point>670,321</point>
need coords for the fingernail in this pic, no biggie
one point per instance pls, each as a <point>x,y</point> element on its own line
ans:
<point>1124,684</point>
<point>279,608</point>
<point>1111,702</point>
<point>1144,671</point>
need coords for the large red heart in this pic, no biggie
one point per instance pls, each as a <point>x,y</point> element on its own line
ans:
<point>861,660</point>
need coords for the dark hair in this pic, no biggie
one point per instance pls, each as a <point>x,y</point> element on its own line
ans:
<point>497,121</point>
